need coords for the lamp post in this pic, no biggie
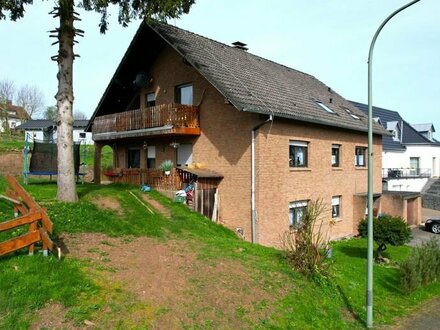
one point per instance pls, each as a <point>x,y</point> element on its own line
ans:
<point>369,294</point>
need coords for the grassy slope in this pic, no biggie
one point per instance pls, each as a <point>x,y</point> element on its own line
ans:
<point>337,304</point>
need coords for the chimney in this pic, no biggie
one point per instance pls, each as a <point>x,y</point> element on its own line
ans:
<point>240,45</point>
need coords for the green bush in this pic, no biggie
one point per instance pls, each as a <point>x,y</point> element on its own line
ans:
<point>386,230</point>
<point>421,267</point>
<point>303,246</point>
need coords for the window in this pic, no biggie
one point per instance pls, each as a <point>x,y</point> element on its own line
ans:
<point>184,94</point>
<point>151,157</point>
<point>134,158</point>
<point>359,159</point>
<point>296,212</point>
<point>336,206</point>
<point>335,154</point>
<point>298,153</point>
<point>150,100</point>
<point>184,154</point>
<point>324,107</point>
<point>352,114</point>
<point>414,164</point>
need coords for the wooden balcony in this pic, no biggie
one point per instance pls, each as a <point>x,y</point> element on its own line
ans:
<point>178,119</point>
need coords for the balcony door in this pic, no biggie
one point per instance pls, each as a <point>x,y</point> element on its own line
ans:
<point>414,164</point>
<point>184,154</point>
<point>134,158</point>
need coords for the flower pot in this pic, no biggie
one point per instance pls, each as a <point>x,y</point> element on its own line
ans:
<point>167,172</point>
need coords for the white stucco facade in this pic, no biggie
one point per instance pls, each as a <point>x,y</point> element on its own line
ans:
<point>78,135</point>
<point>413,167</point>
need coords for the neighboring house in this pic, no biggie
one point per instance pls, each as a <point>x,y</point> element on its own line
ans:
<point>12,116</point>
<point>427,130</point>
<point>265,138</point>
<point>410,156</point>
<point>45,130</point>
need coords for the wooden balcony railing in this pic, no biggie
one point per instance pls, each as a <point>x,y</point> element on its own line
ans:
<point>176,115</point>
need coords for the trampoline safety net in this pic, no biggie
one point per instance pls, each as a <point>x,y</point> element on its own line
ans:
<point>44,158</point>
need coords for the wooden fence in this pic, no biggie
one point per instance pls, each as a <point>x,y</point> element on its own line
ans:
<point>30,214</point>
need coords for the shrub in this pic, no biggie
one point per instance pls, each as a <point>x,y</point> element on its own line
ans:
<point>303,246</point>
<point>421,267</point>
<point>386,230</point>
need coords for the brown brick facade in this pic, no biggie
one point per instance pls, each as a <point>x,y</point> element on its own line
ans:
<point>224,146</point>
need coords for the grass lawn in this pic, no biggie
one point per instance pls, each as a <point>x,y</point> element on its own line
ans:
<point>11,143</point>
<point>214,280</point>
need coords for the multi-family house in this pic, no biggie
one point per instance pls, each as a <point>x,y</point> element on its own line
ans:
<point>410,155</point>
<point>11,116</point>
<point>265,138</point>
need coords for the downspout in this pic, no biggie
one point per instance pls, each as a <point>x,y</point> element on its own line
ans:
<point>253,212</point>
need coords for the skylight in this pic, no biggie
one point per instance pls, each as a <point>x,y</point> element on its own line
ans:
<point>352,114</point>
<point>323,106</point>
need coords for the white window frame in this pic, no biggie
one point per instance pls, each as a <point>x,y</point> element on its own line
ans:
<point>299,157</point>
<point>360,159</point>
<point>296,212</point>
<point>336,159</point>
<point>336,207</point>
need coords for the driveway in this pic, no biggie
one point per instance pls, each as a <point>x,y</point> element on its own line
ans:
<point>419,233</point>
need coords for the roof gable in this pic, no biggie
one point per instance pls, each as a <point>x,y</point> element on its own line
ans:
<point>390,118</point>
<point>252,83</point>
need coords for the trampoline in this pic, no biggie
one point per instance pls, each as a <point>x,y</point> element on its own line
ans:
<point>43,160</point>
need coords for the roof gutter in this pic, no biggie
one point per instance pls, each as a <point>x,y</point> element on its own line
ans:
<point>253,211</point>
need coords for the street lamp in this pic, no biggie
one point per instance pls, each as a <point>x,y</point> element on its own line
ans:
<point>369,294</point>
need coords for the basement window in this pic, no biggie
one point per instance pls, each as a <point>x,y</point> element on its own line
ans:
<point>324,107</point>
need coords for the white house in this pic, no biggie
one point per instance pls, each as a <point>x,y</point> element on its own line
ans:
<point>45,130</point>
<point>410,156</point>
<point>14,115</point>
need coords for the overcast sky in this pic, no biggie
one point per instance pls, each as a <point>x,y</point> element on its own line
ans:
<point>326,38</point>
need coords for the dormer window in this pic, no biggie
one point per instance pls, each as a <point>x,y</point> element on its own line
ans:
<point>394,128</point>
<point>324,107</point>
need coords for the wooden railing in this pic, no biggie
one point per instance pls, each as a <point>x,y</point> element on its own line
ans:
<point>31,214</point>
<point>152,177</point>
<point>177,115</point>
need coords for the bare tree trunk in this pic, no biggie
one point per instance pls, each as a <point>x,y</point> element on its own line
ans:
<point>64,97</point>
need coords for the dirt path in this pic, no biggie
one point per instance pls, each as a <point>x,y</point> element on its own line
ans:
<point>11,163</point>
<point>168,277</point>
